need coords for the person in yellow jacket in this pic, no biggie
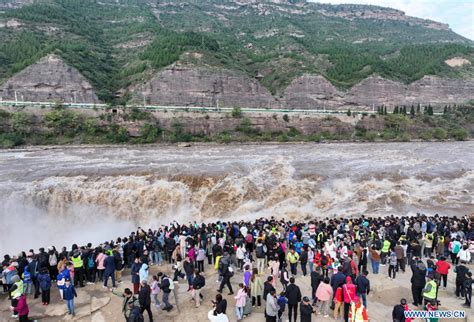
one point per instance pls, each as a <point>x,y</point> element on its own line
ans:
<point>357,312</point>
<point>293,258</point>
<point>16,291</point>
<point>430,292</point>
<point>385,251</point>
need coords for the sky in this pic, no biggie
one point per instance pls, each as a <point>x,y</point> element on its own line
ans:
<point>459,14</point>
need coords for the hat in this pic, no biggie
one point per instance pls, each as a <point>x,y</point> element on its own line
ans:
<point>348,279</point>
<point>305,299</point>
<point>67,279</point>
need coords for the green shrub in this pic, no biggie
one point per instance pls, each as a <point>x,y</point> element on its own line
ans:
<point>460,134</point>
<point>440,133</point>
<point>286,118</point>
<point>237,112</point>
<point>149,133</point>
<point>21,123</point>
<point>224,138</point>
<point>283,138</point>
<point>62,121</point>
<point>10,140</point>
<point>404,137</point>
<point>426,135</point>
<point>370,136</point>
<point>117,134</point>
<point>91,126</point>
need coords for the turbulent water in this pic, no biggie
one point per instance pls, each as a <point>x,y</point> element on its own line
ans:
<point>59,196</point>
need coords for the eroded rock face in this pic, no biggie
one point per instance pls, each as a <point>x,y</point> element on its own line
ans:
<point>183,86</point>
<point>50,79</point>
<point>315,92</point>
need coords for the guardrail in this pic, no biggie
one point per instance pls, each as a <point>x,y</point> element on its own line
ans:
<point>188,108</point>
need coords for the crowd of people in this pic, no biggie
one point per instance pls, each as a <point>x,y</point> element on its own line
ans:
<point>332,254</point>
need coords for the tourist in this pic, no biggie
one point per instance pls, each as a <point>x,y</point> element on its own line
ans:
<point>400,253</point>
<point>109,271</point>
<point>99,260</point>
<point>260,253</point>
<point>44,280</point>
<point>155,290</point>
<point>363,287</point>
<point>198,283</point>
<point>134,313</point>
<point>417,281</point>
<point>392,264</point>
<point>78,263</point>
<point>284,276</point>
<point>128,298</point>
<point>306,310</point>
<point>282,301</point>
<point>135,272</point>
<point>349,294</point>
<point>226,272</point>
<point>144,299</point>
<point>271,307</point>
<point>166,286</point>
<point>464,255</point>
<point>454,248</point>
<point>293,258</point>
<point>316,279</point>
<point>21,308</point>
<point>69,293</point>
<point>256,288</point>
<point>398,312</point>
<point>324,295</point>
<point>375,259</point>
<point>293,294</point>
<point>442,268</point>
<point>467,287</point>
<point>240,299</point>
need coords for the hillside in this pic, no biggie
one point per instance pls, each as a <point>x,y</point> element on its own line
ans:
<point>137,50</point>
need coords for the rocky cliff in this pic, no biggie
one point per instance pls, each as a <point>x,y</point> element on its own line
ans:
<point>50,79</point>
<point>190,86</point>
<point>184,86</point>
<point>316,92</point>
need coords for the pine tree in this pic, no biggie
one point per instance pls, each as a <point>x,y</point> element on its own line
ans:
<point>395,110</point>
<point>445,109</point>
<point>412,111</point>
<point>385,110</point>
<point>430,109</point>
<point>404,110</point>
<point>418,109</point>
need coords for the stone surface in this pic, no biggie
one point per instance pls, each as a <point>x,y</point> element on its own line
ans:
<point>184,86</point>
<point>50,79</point>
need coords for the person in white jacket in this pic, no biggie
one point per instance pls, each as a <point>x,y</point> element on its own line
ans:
<point>464,255</point>
<point>214,317</point>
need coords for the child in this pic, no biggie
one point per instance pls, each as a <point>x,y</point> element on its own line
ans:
<point>155,290</point>
<point>432,306</point>
<point>392,264</point>
<point>240,298</point>
<point>69,292</point>
<point>247,275</point>
<point>27,282</point>
<point>22,308</point>
<point>44,280</point>
<point>282,301</point>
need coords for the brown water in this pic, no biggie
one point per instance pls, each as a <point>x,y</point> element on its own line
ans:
<point>79,194</point>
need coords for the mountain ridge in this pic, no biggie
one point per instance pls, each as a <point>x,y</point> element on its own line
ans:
<point>121,45</point>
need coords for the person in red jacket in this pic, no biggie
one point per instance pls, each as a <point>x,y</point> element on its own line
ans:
<point>442,268</point>
<point>349,293</point>
<point>338,301</point>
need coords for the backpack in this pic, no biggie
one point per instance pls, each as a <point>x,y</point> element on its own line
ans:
<point>456,248</point>
<point>53,260</point>
<point>260,252</point>
<point>171,287</point>
<point>90,262</point>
